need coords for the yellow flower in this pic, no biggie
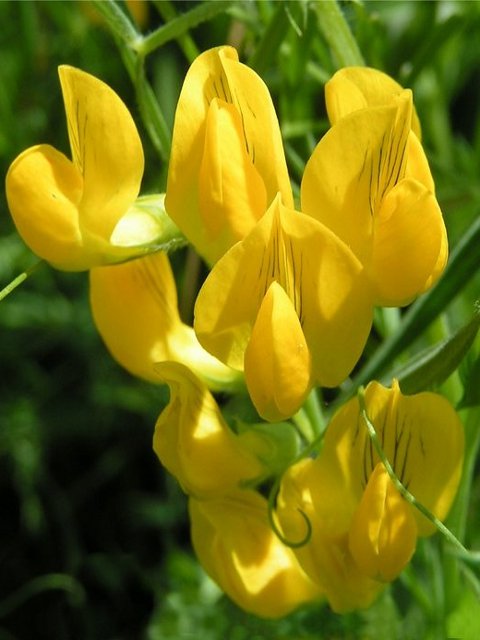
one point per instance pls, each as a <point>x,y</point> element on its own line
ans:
<point>193,441</point>
<point>134,306</point>
<point>291,305</point>
<point>235,544</point>
<point>325,557</point>
<point>357,514</point>
<point>368,180</point>
<point>72,212</point>
<point>227,162</point>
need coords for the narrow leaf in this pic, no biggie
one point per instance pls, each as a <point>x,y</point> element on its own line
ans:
<point>433,365</point>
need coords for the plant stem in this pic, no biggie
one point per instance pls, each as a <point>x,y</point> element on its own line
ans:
<point>179,26</point>
<point>18,280</point>
<point>337,33</point>
<point>457,520</point>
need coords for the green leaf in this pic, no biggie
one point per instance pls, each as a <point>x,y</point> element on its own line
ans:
<point>471,395</point>
<point>337,33</point>
<point>464,621</point>
<point>433,365</point>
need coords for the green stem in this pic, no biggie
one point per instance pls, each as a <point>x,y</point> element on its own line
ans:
<point>337,33</point>
<point>152,114</point>
<point>313,409</point>
<point>304,425</point>
<point>38,585</point>
<point>18,280</point>
<point>179,26</point>
<point>118,22</point>
<point>457,519</point>
<point>167,10</point>
<point>267,48</point>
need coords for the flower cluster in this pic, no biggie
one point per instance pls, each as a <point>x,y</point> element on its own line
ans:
<point>287,306</point>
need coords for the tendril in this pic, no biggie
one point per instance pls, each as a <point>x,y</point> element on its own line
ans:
<point>275,527</point>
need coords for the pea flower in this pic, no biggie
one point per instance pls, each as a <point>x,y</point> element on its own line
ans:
<point>235,544</point>
<point>79,213</point>
<point>193,441</point>
<point>364,532</point>
<point>134,307</point>
<point>291,305</point>
<point>368,180</point>
<point>227,162</point>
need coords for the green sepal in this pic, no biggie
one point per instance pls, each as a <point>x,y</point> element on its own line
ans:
<point>147,225</point>
<point>274,444</point>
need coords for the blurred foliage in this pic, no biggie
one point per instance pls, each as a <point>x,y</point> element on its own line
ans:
<point>94,534</point>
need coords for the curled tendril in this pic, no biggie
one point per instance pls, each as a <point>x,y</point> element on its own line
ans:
<point>273,523</point>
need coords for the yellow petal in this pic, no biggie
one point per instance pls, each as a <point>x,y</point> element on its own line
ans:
<point>231,191</point>
<point>354,88</point>
<point>43,192</point>
<point>235,544</point>
<point>417,164</point>
<point>409,243</point>
<point>217,80</point>
<point>383,533</point>
<point>262,134</point>
<point>322,278</point>
<point>194,443</point>
<point>352,168</point>
<point>134,306</point>
<point>277,360</point>
<point>106,150</point>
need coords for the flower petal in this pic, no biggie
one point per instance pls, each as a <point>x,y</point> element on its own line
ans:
<point>235,544</point>
<point>354,88</point>
<point>383,533</point>
<point>277,359</point>
<point>232,194</point>
<point>194,443</point>
<point>260,126</point>
<point>134,306</point>
<point>106,150</point>
<point>43,191</point>
<point>409,243</point>
<point>353,166</point>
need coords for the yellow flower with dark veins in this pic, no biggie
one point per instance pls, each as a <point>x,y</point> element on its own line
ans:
<point>79,213</point>
<point>134,306</point>
<point>235,544</point>
<point>368,180</point>
<point>364,531</point>
<point>227,162</point>
<point>291,305</point>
